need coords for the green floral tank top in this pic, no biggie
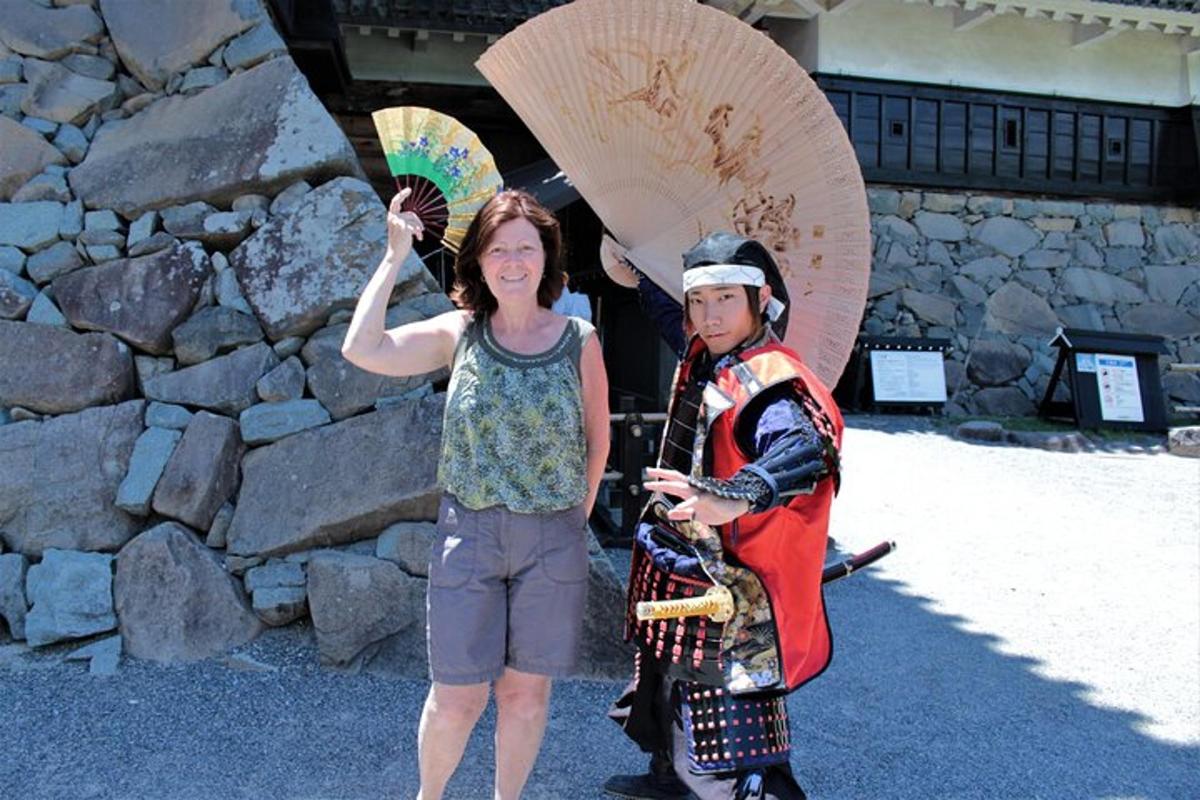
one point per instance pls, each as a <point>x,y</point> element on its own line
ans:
<point>513,430</point>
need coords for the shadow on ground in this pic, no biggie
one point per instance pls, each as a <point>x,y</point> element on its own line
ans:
<point>912,707</point>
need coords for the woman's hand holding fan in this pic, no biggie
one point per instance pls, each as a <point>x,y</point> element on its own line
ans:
<point>402,227</point>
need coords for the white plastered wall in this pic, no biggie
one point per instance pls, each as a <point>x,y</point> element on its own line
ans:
<point>893,40</point>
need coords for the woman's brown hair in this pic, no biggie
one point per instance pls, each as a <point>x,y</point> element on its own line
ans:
<point>470,291</point>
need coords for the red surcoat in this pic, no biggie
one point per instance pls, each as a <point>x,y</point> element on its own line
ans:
<point>785,545</point>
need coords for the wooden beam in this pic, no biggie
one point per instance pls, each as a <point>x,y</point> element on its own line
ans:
<point>810,7</point>
<point>1091,35</point>
<point>842,6</point>
<point>734,7</point>
<point>966,20</point>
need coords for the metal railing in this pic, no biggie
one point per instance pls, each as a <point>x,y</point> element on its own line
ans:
<point>635,439</point>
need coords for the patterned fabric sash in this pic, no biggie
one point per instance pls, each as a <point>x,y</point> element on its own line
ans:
<point>726,732</point>
<point>674,560</point>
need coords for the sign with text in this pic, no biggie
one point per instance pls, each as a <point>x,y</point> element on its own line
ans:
<point>1117,383</point>
<point>908,376</point>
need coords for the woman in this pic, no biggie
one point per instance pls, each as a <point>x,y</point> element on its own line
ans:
<point>524,442</point>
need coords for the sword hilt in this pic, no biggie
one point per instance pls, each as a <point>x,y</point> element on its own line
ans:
<point>716,604</point>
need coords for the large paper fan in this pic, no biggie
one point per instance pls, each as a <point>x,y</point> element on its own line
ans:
<point>450,172</point>
<point>674,120</point>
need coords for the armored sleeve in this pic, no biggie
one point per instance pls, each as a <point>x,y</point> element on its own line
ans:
<point>791,454</point>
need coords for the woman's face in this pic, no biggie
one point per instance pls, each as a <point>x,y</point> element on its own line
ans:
<point>513,260</point>
<point>722,315</point>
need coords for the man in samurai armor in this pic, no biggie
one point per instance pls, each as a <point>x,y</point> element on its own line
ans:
<point>738,529</point>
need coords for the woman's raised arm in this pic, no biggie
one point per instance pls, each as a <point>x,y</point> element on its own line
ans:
<point>411,349</point>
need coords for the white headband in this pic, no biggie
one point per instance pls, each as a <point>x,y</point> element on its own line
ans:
<point>739,274</point>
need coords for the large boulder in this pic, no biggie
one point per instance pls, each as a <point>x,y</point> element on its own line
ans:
<point>996,362</point>
<point>156,40</point>
<point>298,268</point>
<point>88,369</point>
<point>1182,386</point>
<point>212,330</point>
<point>225,384</point>
<point>253,134</point>
<point>60,95</point>
<point>175,601</point>
<point>1184,441</point>
<point>1167,284</point>
<point>339,483</point>
<point>1176,241</point>
<point>934,309</point>
<point>1095,286</point>
<point>345,389</point>
<point>269,422</point>
<point>150,455</point>
<point>30,226</point>
<point>56,260</point>
<point>202,472</point>
<point>1125,233</point>
<point>60,479</point>
<point>285,382</point>
<point>13,604</point>
<point>16,296</point>
<point>1002,401</point>
<point>1160,319</point>
<point>31,30</point>
<point>408,544</point>
<point>278,591</point>
<point>70,596</point>
<point>356,602</point>
<point>940,227</point>
<point>1012,237</point>
<point>140,299</point>
<point>1015,310</point>
<point>603,652</point>
<point>25,154</point>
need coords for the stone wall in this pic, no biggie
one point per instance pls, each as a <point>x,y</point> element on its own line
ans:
<point>185,456</point>
<point>998,275</point>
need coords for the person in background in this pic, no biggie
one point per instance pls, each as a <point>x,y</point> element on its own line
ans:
<point>574,304</point>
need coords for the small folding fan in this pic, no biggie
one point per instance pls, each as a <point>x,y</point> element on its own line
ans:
<point>450,172</point>
<point>674,119</point>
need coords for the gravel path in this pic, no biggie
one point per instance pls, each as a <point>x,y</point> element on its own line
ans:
<point>1036,634</point>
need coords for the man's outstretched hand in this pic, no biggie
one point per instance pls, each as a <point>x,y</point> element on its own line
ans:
<point>694,504</point>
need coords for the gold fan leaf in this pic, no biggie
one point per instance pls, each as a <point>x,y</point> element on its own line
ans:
<point>674,120</point>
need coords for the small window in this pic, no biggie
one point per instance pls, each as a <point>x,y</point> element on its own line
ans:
<point>1010,133</point>
<point>1116,147</point>
<point>897,130</point>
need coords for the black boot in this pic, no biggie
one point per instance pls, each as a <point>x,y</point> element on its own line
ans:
<point>659,783</point>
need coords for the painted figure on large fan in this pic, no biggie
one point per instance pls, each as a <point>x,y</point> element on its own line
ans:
<point>725,602</point>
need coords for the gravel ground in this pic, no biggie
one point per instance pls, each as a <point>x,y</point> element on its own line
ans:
<point>1036,634</point>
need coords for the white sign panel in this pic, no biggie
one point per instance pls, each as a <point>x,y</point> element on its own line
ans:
<point>1117,382</point>
<point>901,376</point>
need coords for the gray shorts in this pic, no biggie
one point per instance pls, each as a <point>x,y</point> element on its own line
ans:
<point>505,589</point>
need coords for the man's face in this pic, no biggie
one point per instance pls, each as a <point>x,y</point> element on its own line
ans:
<point>722,315</point>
